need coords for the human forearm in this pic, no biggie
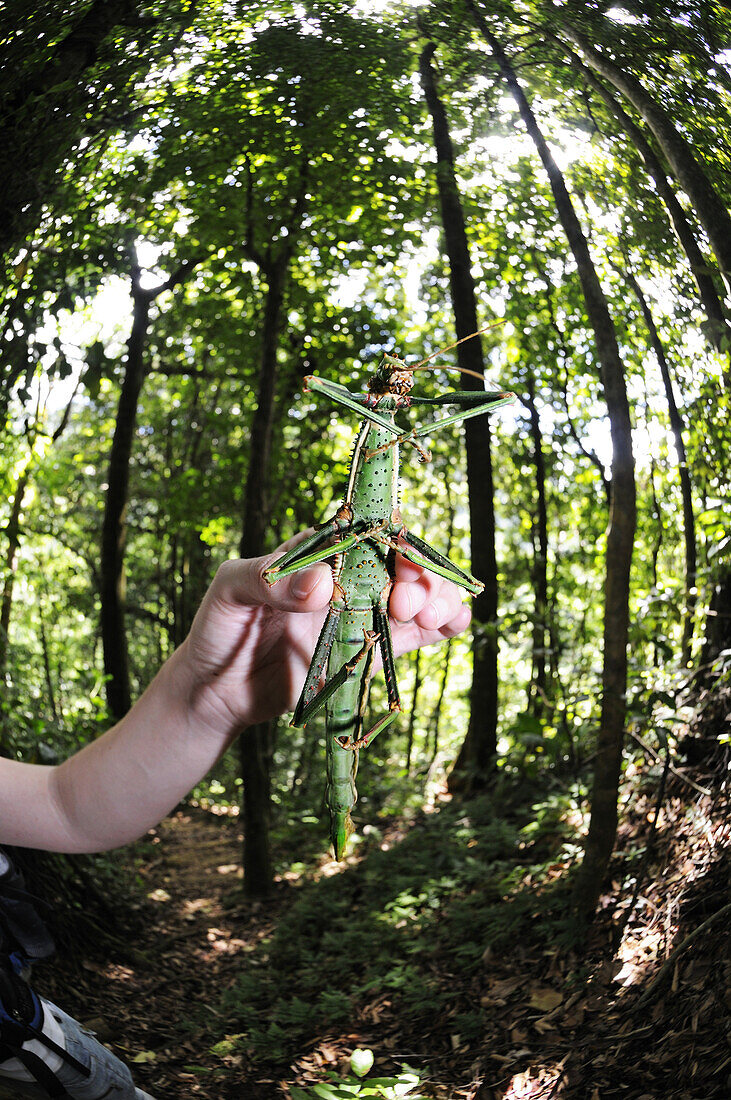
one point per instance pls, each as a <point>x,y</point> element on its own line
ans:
<point>244,662</point>
<point>123,783</point>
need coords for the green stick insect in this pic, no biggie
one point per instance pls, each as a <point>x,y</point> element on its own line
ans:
<point>360,542</point>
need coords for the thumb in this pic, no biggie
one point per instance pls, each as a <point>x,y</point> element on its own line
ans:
<point>241,581</point>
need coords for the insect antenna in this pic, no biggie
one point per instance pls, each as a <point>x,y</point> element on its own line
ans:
<point>440,351</point>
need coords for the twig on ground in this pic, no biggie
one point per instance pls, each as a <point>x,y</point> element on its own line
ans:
<point>679,775</point>
<point>672,958</point>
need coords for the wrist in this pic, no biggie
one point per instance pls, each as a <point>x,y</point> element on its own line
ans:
<point>201,698</point>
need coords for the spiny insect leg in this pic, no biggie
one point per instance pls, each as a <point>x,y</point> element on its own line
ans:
<point>421,553</point>
<point>301,554</point>
<point>364,742</point>
<point>317,665</point>
<point>489,402</point>
<point>338,679</point>
<point>382,627</point>
<point>338,547</point>
<point>358,402</point>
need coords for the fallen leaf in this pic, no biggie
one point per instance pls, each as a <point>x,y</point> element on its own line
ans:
<point>144,1056</point>
<point>545,998</point>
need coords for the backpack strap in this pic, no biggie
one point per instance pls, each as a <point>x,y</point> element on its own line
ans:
<point>38,1070</point>
<point>21,1020</point>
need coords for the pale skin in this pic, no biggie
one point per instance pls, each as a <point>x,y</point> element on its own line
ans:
<point>243,662</point>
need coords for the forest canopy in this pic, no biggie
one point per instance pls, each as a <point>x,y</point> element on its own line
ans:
<point>206,202</point>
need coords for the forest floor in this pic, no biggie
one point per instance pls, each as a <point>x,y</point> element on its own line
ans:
<point>640,1012</point>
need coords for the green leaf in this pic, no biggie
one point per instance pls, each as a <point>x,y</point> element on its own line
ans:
<point>361,1062</point>
<point>328,1092</point>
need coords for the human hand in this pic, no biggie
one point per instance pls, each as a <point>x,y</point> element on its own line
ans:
<point>250,645</point>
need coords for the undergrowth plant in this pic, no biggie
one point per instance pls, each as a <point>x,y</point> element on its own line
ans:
<point>473,875</point>
<point>361,1061</point>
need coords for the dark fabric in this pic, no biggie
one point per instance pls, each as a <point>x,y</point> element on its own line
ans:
<point>20,1009</point>
<point>22,928</point>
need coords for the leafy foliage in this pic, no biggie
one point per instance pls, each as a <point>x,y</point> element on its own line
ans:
<point>189,135</point>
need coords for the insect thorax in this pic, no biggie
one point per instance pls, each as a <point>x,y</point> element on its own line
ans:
<point>375,484</point>
<point>391,378</point>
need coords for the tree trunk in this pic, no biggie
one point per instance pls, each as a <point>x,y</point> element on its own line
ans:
<point>195,578</point>
<point>718,330</point>
<point>47,661</point>
<point>255,516</point>
<point>476,758</point>
<point>114,528</point>
<point>622,514</point>
<point>254,749</point>
<point>538,695</point>
<point>436,716</point>
<point>12,532</point>
<point>686,492</point>
<point>254,760</point>
<point>711,211</point>
<point>717,638</point>
<point>412,710</point>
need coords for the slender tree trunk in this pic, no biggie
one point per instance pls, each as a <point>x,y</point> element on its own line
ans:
<point>656,548</point>
<point>12,532</point>
<point>255,516</point>
<point>476,758</point>
<point>255,742</point>
<point>412,712</point>
<point>195,578</point>
<point>255,761</point>
<point>686,492</point>
<point>622,513</point>
<point>47,661</point>
<point>717,637</point>
<point>709,207</point>
<point>303,768</point>
<point>717,329</point>
<point>436,717</point>
<point>538,695</point>
<point>114,526</point>
<point>563,376</point>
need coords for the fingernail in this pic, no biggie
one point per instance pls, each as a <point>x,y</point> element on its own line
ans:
<point>304,583</point>
<point>438,608</point>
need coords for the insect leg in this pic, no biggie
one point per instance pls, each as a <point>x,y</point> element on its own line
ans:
<point>356,401</point>
<point>383,630</point>
<point>320,555</point>
<point>308,546</point>
<point>304,713</point>
<point>317,665</point>
<point>383,627</point>
<point>421,553</point>
<point>468,402</point>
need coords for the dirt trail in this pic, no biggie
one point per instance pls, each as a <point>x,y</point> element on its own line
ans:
<point>183,955</point>
<point>601,1041</point>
